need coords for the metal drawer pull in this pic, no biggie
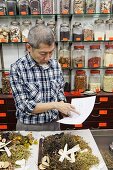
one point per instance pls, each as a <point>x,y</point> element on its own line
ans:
<point>98,103</point>
<point>95,115</point>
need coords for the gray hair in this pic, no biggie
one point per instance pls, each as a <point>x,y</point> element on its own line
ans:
<point>40,34</point>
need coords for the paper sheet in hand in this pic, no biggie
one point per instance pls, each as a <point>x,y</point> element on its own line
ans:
<point>84,106</point>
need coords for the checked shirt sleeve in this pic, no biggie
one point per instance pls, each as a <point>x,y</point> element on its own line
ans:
<point>23,103</point>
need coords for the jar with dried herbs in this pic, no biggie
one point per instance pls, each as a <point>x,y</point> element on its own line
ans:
<point>77,34</point>
<point>99,30</point>
<point>26,25</point>
<point>109,29</point>
<point>78,56</point>
<point>108,56</point>
<point>88,32</point>
<point>90,6</point>
<point>65,6</point>
<point>64,32</point>
<point>4,33</point>
<point>6,89</point>
<point>94,56</point>
<point>105,6</point>
<point>108,81</point>
<point>15,33</point>
<point>80,81</point>
<point>47,6</point>
<point>23,6</point>
<point>64,57</point>
<point>78,6</point>
<point>35,7</point>
<point>51,24</point>
<point>11,7</point>
<point>94,81</point>
<point>2,7</point>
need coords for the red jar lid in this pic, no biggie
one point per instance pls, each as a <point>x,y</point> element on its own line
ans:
<point>95,71</point>
<point>109,71</point>
<point>78,47</point>
<point>94,46</point>
<point>80,72</point>
<point>108,46</point>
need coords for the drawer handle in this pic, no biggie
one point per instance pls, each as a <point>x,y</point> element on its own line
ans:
<point>98,103</point>
<point>95,115</point>
<point>95,128</point>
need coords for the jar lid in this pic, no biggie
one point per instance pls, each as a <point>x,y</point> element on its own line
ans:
<point>109,21</point>
<point>95,71</point>
<point>81,72</point>
<point>40,21</point>
<point>5,74</point>
<point>64,25</point>
<point>26,22</point>
<point>95,46</point>
<point>99,21</point>
<point>15,23</point>
<point>77,24</point>
<point>108,46</point>
<point>109,71</point>
<point>78,47</point>
<point>51,23</point>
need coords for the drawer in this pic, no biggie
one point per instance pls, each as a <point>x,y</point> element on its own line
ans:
<point>7,127</point>
<point>3,104</point>
<point>7,117</point>
<point>11,104</point>
<point>101,114</point>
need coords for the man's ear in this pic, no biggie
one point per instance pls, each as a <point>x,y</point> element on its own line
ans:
<point>28,47</point>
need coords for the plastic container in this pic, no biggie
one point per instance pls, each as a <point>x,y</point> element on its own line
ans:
<point>11,7</point>
<point>108,81</point>
<point>64,32</point>
<point>78,6</point>
<point>26,25</point>
<point>2,7</point>
<point>109,30</point>
<point>77,34</point>
<point>108,56</point>
<point>78,57</point>
<point>94,56</point>
<point>80,81</point>
<point>94,81</point>
<point>4,33</point>
<point>88,32</point>
<point>35,7</point>
<point>99,31</point>
<point>6,89</point>
<point>64,57</point>
<point>65,6</point>
<point>15,33</point>
<point>23,6</point>
<point>90,6</point>
<point>105,6</point>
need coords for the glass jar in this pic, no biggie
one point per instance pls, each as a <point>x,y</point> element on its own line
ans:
<point>94,56</point>
<point>40,21</point>
<point>105,6</point>
<point>109,30</point>
<point>94,81</point>
<point>4,33</point>
<point>23,6</point>
<point>64,57</point>
<point>11,7</point>
<point>80,81</point>
<point>64,32</point>
<point>78,6</point>
<point>65,6</point>
<point>66,75</point>
<point>108,81</point>
<point>15,34</point>
<point>78,57</point>
<point>108,56</point>
<point>2,7</point>
<point>99,30</point>
<point>88,32</point>
<point>77,34</point>
<point>47,6</point>
<point>26,25</point>
<point>51,24</point>
<point>6,89</point>
<point>35,7</point>
<point>90,6</point>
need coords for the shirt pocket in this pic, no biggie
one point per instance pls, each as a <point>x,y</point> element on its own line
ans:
<point>54,90</point>
<point>34,91</point>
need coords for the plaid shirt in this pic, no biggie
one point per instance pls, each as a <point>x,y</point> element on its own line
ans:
<point>32,84</point>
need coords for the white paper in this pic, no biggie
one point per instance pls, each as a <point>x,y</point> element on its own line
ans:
<point>84,106</point>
